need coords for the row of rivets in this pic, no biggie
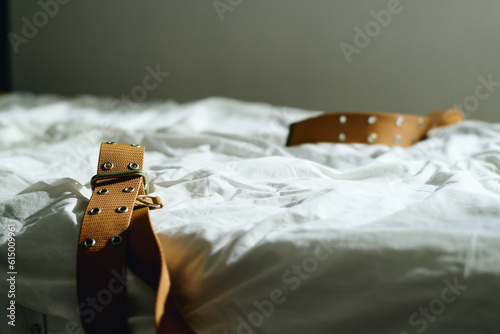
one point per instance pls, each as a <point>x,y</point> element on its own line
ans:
<point>113,142</point>
<point>115,241</point>
<point>105,191</point>
<point>120,209</point>
<point>109,165</point>
<point>371,138</point>
<point>373,120</point>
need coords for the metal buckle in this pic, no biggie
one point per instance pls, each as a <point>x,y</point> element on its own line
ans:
<point>104,176</point>
<point>153,202</point>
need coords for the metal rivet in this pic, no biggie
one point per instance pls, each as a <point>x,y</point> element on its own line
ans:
<point>128,190</point>
<point>107,165</point>
<point>95,211</point>
<point>122,209</point>
<point>420,122</point>
<point>103,191</point>
<point>342,136</point>
<point>342,119</point>
<point>397,139</point>
<point>89,242</point>
<point>399,121</point>
<point>111,142</point>
<point>135,145</point>
<point>116,240</point>
<point>372,119</point>
<point>133,165</point>
<point>372,137</point>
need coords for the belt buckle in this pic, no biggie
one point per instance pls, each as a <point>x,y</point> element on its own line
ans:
<point>104,176</point>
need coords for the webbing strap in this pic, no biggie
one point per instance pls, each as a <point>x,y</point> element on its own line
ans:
<point>369,127</point>
<point>116,232</point>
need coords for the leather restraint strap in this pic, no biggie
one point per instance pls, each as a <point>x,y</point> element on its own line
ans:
<point>370,127</point>
<point>116,233</point>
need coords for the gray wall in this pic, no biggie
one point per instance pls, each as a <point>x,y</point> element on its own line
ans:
<point>431,55</point>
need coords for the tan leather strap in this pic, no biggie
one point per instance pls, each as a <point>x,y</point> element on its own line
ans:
<point>369,127</point>
<point>116,232</point>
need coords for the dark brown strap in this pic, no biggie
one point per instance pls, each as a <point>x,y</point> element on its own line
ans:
<point>369,127</point>
<point>116,232</point>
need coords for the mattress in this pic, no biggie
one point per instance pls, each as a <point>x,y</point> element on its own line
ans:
<point>259,237</point>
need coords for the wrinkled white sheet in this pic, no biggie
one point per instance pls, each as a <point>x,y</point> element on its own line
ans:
<point>260,238</point>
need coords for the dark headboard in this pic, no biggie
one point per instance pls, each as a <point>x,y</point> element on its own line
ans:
<point>4,48</point>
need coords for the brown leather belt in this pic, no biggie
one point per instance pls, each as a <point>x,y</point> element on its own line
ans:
<point>116,233</point>
<point>369,127</point>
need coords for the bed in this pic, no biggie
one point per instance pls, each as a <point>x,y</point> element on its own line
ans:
<point>259,238</point>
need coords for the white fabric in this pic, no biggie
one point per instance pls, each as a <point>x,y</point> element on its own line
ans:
<point>260,238</point>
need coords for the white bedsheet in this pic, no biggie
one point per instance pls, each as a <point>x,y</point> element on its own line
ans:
<point>260,238</point>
